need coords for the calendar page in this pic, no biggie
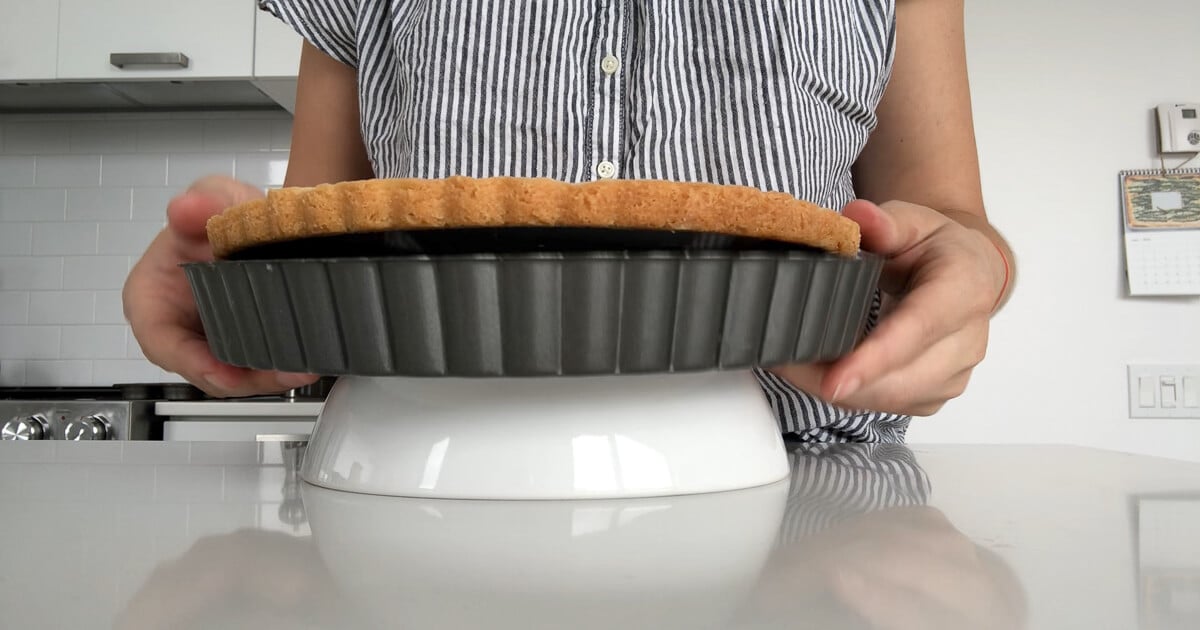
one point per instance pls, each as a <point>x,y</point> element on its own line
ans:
<point>1162,231</point>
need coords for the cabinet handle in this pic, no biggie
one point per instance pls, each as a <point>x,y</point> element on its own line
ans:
<point>121,60</point>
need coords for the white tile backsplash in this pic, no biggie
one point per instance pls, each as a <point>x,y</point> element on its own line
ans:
<point>14,307</point>
<point>15,239</point>
<point>127,238</point>
<point>109,309</point>
<point>185,168</point>
<point>109,371</point>
<point>114,137</point>
<point>93,342</point>
<point>133,350</point>
<point>98,204</point>
<point>281,134</point>
<point>12,372</point>
<point>164,136</point>
<point>16,170</point>
<point>150,204</point>
<point>94,272</point>
<point>134,170</point>
<point>28,272</point>
<point>59,372</point>
<point>36,137</point>
<point>81,196</point>
<point>262,169</point>
<point>32,204</point>
<point>62,307</point>
<point>29,342</point>
<point>67,171</point>
<point>236,135</point>
<point>61,239</point>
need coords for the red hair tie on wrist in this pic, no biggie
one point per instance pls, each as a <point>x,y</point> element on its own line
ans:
<point>1004,287</point>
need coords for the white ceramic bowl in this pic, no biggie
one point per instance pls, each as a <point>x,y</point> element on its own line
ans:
<point>546,438</point>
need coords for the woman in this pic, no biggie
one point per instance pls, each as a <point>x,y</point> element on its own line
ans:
<point>859,105</point>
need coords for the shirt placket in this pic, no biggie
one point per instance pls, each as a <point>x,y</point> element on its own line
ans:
<point>607,64</point>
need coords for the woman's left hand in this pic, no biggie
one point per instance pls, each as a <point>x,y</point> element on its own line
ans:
<point>942,282</point>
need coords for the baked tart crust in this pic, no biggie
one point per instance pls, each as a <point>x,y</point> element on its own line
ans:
<point>457,202</point>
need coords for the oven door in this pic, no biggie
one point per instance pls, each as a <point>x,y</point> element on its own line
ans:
<point>236,421</point>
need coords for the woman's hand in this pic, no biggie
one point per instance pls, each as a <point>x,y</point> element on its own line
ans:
<point>159,304</point>
<point>942,281</point>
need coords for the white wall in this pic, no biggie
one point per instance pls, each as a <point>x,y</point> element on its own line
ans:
<point>80,198</point>
<point>1063,93</point>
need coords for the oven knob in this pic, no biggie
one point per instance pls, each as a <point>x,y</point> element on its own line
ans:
<point>93,427</point>
<point>27,428</point>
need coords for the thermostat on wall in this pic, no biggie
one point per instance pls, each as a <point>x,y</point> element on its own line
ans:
<point>1179,128</point>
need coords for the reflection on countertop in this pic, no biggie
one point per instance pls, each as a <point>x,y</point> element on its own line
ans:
<point>224,535</point>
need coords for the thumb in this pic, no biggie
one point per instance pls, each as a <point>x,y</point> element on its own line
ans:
<point>188,213</point>
<point>880,231</point>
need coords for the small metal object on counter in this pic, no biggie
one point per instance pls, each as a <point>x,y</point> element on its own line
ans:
<point>291,510</point>
<point>292,445</point>
<point>535,314</point>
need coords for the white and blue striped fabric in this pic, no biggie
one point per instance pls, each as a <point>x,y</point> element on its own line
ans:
<point>778,95</point>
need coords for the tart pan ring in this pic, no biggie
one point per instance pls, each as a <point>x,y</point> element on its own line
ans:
<point>535,314</point>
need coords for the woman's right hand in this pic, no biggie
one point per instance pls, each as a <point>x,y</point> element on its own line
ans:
<point>162,312</point>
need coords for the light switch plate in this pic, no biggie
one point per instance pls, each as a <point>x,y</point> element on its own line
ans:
<point>1164,391</point>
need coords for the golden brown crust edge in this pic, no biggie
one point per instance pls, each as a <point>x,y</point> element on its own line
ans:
<point>399,204</point>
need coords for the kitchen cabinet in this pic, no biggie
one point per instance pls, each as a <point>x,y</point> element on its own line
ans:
<point>28,39</point>
<point>276,59</point>
<point>216,36</point>
<point>276,47</point>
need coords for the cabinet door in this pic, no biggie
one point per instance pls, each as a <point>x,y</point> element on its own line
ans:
<point>216,36</point>
<point>28,39</point>
<point>276,48</point>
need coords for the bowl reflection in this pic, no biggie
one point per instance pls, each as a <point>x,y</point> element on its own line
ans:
<point>669,562</point>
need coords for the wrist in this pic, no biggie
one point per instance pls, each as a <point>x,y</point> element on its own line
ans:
<point>1002,258</point>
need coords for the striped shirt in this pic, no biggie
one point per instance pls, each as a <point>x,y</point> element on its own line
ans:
<point>780,96</point>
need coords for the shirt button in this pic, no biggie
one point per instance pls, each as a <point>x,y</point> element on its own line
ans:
<point>610,64</point>
<point>606,170</point>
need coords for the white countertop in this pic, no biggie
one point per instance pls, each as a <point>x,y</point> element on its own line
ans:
<point>220,535</point>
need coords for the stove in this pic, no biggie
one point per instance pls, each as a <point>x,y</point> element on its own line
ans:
<point>117,412</point>
<point>78,413</point>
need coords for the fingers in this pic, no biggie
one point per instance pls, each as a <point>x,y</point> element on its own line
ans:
<point>159,305</point>
<point>926,383</point>
<point>188,213</point>
<point>894,227</point>
<point>942,273</point>
<point>187,353</point>
<point>920,389</point>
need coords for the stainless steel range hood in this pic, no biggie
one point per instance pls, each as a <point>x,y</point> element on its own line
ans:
<point>148,95</point>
